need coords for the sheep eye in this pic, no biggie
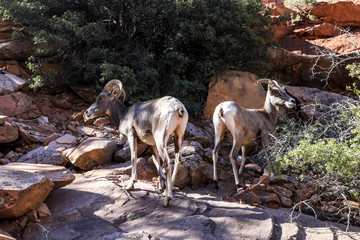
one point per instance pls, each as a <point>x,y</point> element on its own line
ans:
<point>276,92</point>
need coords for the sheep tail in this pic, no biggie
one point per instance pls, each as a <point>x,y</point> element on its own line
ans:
<point>180,110</point>
<point>221,114</point>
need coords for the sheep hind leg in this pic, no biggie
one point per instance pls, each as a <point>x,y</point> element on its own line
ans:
<point>157,164</point>
<point>133,151</point>
<point>243,159</point>
<point>177,143</point>
<point>161,147</point>
<point>233,156</point>
<point>219,128</point>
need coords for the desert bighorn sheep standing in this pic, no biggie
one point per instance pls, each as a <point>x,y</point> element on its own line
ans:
<point>246,124</point>
<point>153,122</point>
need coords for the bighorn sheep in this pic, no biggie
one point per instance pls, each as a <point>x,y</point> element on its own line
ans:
<point>153,122</point>
<point>246,124</point>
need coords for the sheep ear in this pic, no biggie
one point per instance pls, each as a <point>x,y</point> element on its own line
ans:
<point>115,91</point>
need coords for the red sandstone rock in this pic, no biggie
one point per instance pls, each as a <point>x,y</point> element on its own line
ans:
<point>343,13</point>
<point>240,87</point>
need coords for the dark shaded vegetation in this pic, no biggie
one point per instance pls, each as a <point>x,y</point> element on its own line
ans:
<point>156,48</point>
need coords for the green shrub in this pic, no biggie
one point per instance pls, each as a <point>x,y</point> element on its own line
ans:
<point>327,147</point>
<point>157,47</point>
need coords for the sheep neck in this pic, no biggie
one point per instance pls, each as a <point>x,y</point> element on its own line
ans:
<point>270,109</point>
<point>116,112</point>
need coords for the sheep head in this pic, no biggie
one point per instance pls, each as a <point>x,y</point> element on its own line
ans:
<point>109,95</point>
<point>278,95</point>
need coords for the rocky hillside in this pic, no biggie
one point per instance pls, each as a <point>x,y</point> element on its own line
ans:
<point>333,28</point>
<point>62,176</point>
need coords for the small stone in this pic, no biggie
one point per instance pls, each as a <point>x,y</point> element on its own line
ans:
<point>32,215</point>
<point>43,210</point>
<point>286,202</point>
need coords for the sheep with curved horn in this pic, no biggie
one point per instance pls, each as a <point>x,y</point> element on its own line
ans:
<point>246,124</point>
<point>153,122</point>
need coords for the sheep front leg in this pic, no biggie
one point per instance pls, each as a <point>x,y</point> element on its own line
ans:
<point>265,143</point>
<point>133,150</point>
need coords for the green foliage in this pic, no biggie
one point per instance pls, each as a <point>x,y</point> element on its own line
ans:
<point>354,69</point>
<point>327,147</point>
<point>156,47</point>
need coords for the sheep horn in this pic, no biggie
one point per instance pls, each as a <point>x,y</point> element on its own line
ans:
<point>115,84</point>
<point>265,80</point>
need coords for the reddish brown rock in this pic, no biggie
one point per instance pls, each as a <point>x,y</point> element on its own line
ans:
<point>86,93</point>
<point>60,176</point>
<point>8,131</point>
<point>343,13</point>
<point>264,180</point>
<point>50,138</point>
<point>5,236</point>
<point>316,31</point>
<point>286,202</point>
<point>16,50</point>
<point>254,167</point>
<point>124,154</point>
<point>43,210</point>
<point>66,141</point>
<point>101,122</point>
<point>21,192</point>
<point>14,104</point>
<point>270,199</point>
<point>92,152</point>
<point>279,11</point>
<point>16,70</point>
<point>304,193</point>
<point>237,86</point>
<point>249,197</point>
<point>29,138</point>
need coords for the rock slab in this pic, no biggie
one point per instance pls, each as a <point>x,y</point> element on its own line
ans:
<point>21,192</point>
<point>59,175</point>
<point>93,152</point>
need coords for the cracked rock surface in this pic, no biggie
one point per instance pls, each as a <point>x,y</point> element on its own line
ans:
<point>93,207</point>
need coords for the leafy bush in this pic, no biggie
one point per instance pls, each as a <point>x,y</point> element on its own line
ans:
<point>327,147</point>
<point>157,47</point>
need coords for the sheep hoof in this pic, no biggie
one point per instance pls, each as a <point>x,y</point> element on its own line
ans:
<point>216,185</point>
<point>130,186</point>
<point>167,201</point>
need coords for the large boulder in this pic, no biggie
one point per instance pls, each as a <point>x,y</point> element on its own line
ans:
<point>15,104</point>
<point>92,152</point>
<point>21,192</point>
<point>59,175</point>
<point>8,131</point>
<point>237,86</point>
<point>44,155</point>
<point>343,13</point>
<point>16,50</point>
<point>314,102</point>
<point>296,69</point>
